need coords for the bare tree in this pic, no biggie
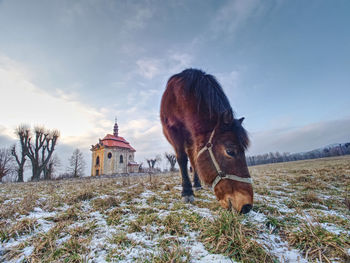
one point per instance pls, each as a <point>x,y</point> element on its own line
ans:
<point>152,162</point>
<point>6,163</point>
<point>171,159</point>
<point>23,134</point>
<point>77,164</point>
<point>39,148</point>
<point>141,168</point>
<point>20,160</point>
<point>51,167</point>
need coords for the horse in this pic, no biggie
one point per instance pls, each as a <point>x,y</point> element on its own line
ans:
<point>198,121</point>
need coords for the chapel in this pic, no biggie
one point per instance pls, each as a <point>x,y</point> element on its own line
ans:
<point>113,155</point>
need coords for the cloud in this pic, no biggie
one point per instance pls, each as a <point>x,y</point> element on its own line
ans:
<point>5,140</point>
<point>301,139</point>
<point>232,15</point>
<point>139,19</point>
<point>173,62</point>
<point>80,125</point>
<point>149,68</point>
<point>229,81</point>
<point>23,101</point>
<point>146,136</point>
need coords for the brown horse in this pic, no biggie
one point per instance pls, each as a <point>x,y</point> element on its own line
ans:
<point>198,122</point>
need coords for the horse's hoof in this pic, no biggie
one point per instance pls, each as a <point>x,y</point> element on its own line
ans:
<point>198,188</point>
<point>188,199</point>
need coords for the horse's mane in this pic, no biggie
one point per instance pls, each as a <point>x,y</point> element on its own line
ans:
<point>209,92</point>
<point>206,89</point>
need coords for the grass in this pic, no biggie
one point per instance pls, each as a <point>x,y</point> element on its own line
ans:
<point>170,250</point>
<point>121,240</point>
<point>114,216</point>
<point>173,224</point>
<point>318,243</point>
<point>103,204</point>
<point>304,204</point>
<point>227,235</point>
<point>73,213</point>
<point>22,227</point>
<point>72,251</point>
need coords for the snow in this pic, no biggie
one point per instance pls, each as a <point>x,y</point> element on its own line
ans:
<point>146,194</point>
<point>39,213</point>
<point>203,212</point>
<point>200,254</point>
<point>273,242</point>
<point>334,229</point>
<point>280,248</point>
<point>63,240</point>
<point>27,251</point>
<point>140,237</point>
<point>99,241</point>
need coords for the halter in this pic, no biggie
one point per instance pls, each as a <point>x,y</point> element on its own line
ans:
<point>221,175</point>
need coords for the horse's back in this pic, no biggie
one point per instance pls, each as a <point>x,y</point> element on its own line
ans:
<point>173,106</point>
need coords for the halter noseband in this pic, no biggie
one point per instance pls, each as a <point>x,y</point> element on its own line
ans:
<point>221,175</point>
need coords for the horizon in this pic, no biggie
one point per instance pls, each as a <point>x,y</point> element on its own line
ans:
<point>74,66</point>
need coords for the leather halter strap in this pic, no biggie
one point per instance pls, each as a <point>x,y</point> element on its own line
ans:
<point>221,175</point>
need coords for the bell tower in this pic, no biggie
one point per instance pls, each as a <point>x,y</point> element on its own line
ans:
<point>115,129</point>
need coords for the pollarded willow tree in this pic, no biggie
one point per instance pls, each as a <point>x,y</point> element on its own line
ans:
<point>171,159</point>
<point>6,164</point>
<point>39,147</point>
<point>51,167</point>
<point>21,131</point>
<point>152,162</point>
<point>76,164</point>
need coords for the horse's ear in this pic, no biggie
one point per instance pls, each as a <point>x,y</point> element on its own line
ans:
<point>227,117</point>
<point>241,120</point>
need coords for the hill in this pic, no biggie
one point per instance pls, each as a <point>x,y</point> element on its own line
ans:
<point>336,149</point>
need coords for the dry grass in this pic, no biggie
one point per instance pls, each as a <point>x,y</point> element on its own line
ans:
<point>22,227</point>
<point>103,204</point>
<point>227,235</point>
<point>304,203</point>
<point>170,250</point>
<point>318,243</point>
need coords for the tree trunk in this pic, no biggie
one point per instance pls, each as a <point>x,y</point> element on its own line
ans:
<point>36,173</point>
<point>20,175</point>
<point>46,173</point>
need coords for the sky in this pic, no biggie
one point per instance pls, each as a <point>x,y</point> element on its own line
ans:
<point>76,65</point>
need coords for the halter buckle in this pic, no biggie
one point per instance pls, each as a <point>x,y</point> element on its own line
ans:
<point>221,174</point>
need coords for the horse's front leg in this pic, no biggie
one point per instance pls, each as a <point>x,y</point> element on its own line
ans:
<point>196,182</point>
<point>187,192</point>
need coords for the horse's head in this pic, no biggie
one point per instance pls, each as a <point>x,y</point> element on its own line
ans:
<point>222,164</point>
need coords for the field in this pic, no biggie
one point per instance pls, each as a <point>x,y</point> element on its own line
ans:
<point>301,214</point>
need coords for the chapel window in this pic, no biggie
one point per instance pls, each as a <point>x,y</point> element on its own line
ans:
<point>121,159</point>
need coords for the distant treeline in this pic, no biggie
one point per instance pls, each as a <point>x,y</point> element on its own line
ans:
<point>328,151</point>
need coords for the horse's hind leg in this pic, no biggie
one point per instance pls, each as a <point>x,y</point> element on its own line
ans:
<point>187,192</point>
<point>175,137</point>
<point>196,182</point>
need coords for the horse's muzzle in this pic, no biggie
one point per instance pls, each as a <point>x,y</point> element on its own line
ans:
<point>246,208</point>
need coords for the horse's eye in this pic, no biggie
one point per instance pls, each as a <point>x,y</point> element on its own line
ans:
<point>231,152</point>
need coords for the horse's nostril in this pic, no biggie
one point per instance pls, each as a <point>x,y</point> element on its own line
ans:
<point>229,204</point>
<point>246,208</point>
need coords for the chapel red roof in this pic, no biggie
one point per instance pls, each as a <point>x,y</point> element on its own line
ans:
<point>116,141</point>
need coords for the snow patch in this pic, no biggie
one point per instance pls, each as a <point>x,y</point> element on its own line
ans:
<point>200,254</point>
